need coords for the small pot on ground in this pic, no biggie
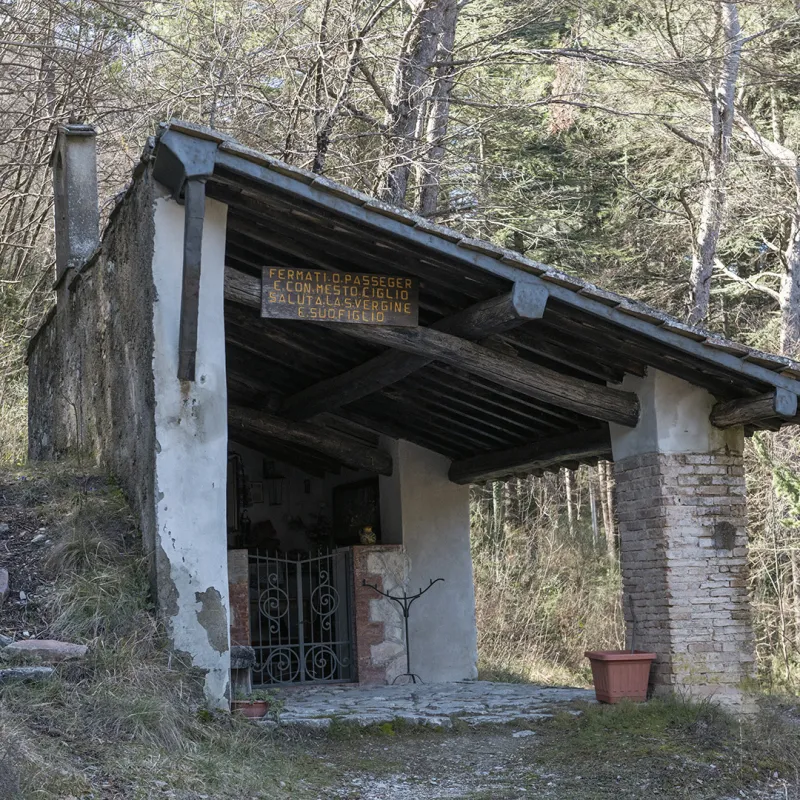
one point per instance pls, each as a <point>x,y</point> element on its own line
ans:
<point>252,709</point>
<point>252,705</point>
<point>620,674</point>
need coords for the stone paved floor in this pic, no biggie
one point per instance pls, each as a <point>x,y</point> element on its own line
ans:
<point>474,702</point>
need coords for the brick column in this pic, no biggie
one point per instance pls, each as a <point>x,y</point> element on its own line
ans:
<point>683,540</point>
<point>379,634</point>
<point>239,594</point>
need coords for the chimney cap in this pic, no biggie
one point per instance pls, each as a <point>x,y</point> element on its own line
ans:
<point>77,129</point>
<point>69,130</point>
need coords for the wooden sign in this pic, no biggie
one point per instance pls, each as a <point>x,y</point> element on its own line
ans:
<point>354,297</point>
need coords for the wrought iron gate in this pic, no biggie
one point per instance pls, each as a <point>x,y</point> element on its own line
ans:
<point>301,627</point>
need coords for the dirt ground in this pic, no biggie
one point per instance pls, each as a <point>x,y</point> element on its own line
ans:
<point>23,558</point>
<point>499,765</point>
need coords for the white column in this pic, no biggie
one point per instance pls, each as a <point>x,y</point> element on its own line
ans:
<point>429,515</point>
<point>191,452</point>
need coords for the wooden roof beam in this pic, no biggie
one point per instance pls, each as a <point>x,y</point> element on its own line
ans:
<point>524,302</point>
<point>311,463</point>
<point>546,454</point>
<point>781,404</point>
<point>574,394</point>
<point>581,396</point>
<point>313,437</point>
<point>496,315</point>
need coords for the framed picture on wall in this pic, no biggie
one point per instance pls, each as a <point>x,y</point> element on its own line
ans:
<point>257,491</point>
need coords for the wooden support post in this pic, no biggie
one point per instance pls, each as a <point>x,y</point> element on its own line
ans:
<point>322,440</point>
<point>542,455</point>
<point>781,403</point>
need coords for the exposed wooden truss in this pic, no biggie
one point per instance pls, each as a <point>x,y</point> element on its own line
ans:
<point>500,314</point>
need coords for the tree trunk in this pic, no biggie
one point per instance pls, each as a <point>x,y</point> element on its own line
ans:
<point>417,52</point>
<point>721,99</point>
<point>593,509</point>
<point>607,504</point>
<point>795,559</point>
<point>790,284</point>
<point>438,113</point>
<point>570,491</point>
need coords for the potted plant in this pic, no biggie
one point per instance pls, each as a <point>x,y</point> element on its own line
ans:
<point>253,706</point>
<point>621,674</point>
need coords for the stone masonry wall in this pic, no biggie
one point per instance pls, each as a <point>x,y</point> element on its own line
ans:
<point>683,539</point>
<point>380,647</point>
<point>90,366</point>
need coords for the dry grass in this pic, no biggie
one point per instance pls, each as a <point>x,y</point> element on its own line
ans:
<point>543,596</point>
<point>131,714</point>
<point>13,422</point>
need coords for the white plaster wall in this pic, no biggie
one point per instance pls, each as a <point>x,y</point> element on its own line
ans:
<point>432,516</point>
<point>191,451</point>
<point>674,418</point>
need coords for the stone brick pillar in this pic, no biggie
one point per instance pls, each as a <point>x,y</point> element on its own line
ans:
<point>239,596</point>
<point>380,648</point>
<point>683,538</point>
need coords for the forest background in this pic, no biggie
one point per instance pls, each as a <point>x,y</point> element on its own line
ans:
<point>650,147</point>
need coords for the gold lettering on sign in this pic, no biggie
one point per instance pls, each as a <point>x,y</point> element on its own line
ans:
<point>350,297</point>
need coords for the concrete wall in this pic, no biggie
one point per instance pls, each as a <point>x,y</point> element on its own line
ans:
<point>90,378</point>
<point>191,428</point>
<point>429,515</point>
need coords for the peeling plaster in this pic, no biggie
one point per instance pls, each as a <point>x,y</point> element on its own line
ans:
<point>213,617</point>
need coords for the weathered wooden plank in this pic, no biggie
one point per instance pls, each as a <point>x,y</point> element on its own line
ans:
<point>336,252</point>
<point>505,398</point>
<point>246,290</point>
<point>478,414</point>
<point>313,437</point>
<point>326,230</point>
<point>589,399</point>
<point>592,359</point>
<point>542,455</point>
<point>748,410</point>
<point>523,303</point>
<point>242,289</point>
<point>422,412</point>
<point>428,439</point>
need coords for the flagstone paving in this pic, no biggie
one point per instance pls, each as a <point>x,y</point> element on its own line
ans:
<point>472,702</point>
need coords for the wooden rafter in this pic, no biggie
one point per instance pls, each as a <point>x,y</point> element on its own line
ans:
<point>523,303</point>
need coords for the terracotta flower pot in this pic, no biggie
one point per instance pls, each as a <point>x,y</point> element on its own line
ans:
<point>253,709</point>
<point>620,674</point>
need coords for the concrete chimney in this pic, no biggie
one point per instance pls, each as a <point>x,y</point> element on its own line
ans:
<point>74,164</point>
